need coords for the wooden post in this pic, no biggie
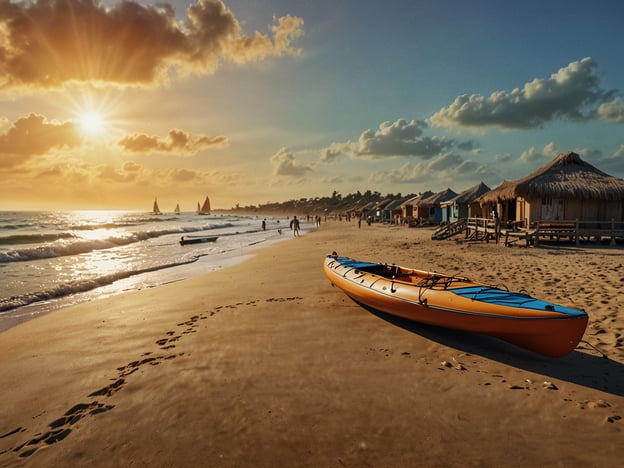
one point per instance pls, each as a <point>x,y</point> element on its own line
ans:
<point>536,235</point>
<point>576,232</point>
<point>612,243</point>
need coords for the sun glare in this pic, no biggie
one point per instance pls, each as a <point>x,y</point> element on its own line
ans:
<point>91,123</point>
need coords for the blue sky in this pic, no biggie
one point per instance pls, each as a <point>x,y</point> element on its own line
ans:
<point>292,99</point>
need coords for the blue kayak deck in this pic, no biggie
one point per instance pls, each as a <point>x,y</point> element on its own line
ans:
<point>502,297</point>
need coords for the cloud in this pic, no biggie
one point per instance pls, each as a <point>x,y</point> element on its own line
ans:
<point>612,111</point>
<point>532,155</point>
<point>48,44</point>
<point>571,93</point>
<point>33,136</point>
<point>176,141</point>
<point>442,171</point>
<point>400,138</point>
<point>285,164</point>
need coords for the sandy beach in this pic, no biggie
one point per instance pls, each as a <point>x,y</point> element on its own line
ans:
<point>265,364</point>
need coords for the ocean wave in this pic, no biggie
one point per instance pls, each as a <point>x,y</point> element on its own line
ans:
<point>62,248</point>
<point>63,290</point>
<point>34,238</point>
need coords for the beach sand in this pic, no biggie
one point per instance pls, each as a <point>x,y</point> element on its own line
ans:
<point>265,364</point>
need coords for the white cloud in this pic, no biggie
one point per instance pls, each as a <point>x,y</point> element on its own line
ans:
<point>532,155</point>
<point>442,171</point>
<point>572,93</point>
<point>612,111</point>
<point>285,164</point>
<point>400,138</point>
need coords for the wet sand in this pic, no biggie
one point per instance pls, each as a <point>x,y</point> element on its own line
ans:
<point>265,364</point>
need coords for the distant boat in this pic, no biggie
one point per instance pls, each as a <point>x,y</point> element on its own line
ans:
<point>205,208</point>
<point>197,240</point>
<point>155,209</point>
<point>177,209</point>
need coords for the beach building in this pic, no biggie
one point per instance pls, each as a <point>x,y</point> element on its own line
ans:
<point>393,210</point>
<point>464,205</point>
<point>409,208</point>
<point>431,207</point>
<point>567,188</point>
<point>378,212</point>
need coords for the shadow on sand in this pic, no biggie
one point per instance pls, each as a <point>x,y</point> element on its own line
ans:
<point>589,367</point>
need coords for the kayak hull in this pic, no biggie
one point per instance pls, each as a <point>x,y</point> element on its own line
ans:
<point>460,303</point>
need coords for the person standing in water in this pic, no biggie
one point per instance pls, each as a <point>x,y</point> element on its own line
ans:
<point>294,225</point>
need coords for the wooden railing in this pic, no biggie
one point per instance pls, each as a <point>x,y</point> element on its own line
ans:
<point>451,229</point>
<point>485,229</point>
<point>577,231</point>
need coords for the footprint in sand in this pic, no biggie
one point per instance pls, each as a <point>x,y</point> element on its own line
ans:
<point>59,428</point>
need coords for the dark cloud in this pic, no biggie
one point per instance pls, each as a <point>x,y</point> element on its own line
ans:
<point>177,141</point>
<point>572,93</point>
<point>54,42</point>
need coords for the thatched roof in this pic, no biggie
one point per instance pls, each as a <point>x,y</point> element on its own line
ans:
<point>436,198</point>
<point>469,195</point>
<point>395,204</point>
<point>414,200</point>
<point>567,176</point>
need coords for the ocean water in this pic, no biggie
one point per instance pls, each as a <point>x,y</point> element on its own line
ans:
<point>50,260</point>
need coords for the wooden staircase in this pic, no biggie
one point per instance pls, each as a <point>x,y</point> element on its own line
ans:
<point>450,230</point>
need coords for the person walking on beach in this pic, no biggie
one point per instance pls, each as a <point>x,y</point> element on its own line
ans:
<point>294,225</point>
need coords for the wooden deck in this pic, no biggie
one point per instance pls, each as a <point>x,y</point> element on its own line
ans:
<point>577,232</point>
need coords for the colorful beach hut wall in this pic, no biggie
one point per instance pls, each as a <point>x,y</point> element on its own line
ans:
<point>464,205</point>
<point>567,188</point>
<point>432,205</point>
<point>379,210</point>
<point>409,208</point>
<point>393,210</point>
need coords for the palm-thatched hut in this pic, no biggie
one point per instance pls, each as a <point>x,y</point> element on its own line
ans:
<point>567,188</point>
<point>465,204</point>
<point>409,208</point>
<point>432,205</point>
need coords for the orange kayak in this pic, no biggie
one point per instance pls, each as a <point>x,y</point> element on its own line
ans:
<point>460,303</point>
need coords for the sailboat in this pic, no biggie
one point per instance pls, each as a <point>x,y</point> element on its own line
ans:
<point>205,208</point>
<point>155,209</point>
<point>177,209</point>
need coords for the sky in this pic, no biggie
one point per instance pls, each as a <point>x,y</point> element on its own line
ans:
<point>109,104</point>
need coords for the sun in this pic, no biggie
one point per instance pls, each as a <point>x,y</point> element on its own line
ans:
<point>91,123</point>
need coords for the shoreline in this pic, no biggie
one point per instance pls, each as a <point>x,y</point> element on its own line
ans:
<point>150,279</point>
<point>264,363</point>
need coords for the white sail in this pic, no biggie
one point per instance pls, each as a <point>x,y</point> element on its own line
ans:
<point>177,209</point>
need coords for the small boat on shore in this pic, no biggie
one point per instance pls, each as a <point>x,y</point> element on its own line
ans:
<point>457,302</point>
<point>197,240</point>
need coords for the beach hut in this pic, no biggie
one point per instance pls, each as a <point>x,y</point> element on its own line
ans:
<point>379,210</point>
<point>464,205</point>
<point>567,188</point>
<point>393,210</point>
<point>409,208</point>
<point>431,206</point>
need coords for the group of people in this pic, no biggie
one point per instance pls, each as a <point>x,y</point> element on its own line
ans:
<point>294,226</point>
